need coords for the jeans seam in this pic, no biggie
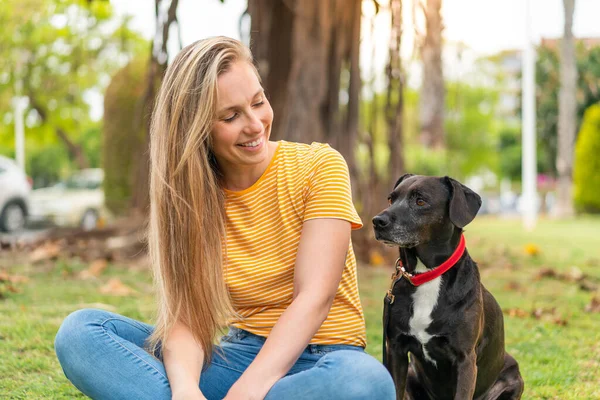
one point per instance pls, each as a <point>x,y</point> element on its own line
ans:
<point>127,349</point>
<point>127,322</point>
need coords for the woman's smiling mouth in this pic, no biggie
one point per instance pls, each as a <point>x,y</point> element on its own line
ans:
<point>252,145</point>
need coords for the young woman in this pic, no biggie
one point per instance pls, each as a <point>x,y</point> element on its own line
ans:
<point>245,233</point>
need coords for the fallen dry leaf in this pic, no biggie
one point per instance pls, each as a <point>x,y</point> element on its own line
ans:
<point>560,321</point>
<point>594,305</point>
<point>117,288</point>
<point>47,251</point>
<point>574,274</point>
<point>95,269</point>
<point>512,286</point>
<point>540,312</point>
<point>545,273</point>
<point>5,277</point>
<point>11,288</point>
<point>588,286</point>
<point>516,312</point>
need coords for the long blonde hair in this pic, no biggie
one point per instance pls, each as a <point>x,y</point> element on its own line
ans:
<point>187,206</point>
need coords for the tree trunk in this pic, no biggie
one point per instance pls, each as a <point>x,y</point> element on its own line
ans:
<point>432,88</point>
<point>166,14</point>
<point>567,114</point>
<point>395,96</point>
<point>271,44</point>
<point>347,146</point>
<point>301,48</point>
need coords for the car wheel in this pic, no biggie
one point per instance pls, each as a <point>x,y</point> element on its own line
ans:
<point>89,220</point>
<point>12,218</point>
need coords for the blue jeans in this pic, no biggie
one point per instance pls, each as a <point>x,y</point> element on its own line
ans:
<point>102,354</point>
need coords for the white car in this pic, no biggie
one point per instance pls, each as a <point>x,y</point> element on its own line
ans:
<point>15,187</point>
<point>77,201</point>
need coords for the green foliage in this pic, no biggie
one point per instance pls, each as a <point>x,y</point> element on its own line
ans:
<point>120,138</point>
<point>586,173</point>
<point>547,89</point>
<point>471,129</point>
<point>509,146</point>
<point>423,161</point>
<point>91,142</point>
<point>47,164</point>
<point>58,53</point>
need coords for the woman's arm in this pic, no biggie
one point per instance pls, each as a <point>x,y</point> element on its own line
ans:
<point>183,359</point>
<point>319,265</point>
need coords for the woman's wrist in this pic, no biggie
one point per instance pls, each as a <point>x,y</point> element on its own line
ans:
<point>191,391</point>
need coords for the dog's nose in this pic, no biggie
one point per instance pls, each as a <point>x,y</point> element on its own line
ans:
<point>381,221</point>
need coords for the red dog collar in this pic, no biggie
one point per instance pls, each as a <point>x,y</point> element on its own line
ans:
<point>419,279</point>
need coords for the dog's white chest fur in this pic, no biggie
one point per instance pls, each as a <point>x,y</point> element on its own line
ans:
<point>424,300</point>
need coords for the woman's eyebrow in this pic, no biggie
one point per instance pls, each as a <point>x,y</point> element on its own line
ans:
<point>261,90</point>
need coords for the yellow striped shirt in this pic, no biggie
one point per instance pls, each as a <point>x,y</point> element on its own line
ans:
<point>264,223</point>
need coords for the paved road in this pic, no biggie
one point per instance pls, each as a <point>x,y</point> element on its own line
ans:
<point>26,236</point>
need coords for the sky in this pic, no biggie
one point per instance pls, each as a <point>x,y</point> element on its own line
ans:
<point>486,26</point>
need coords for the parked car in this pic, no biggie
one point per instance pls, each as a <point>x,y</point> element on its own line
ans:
<point>77,201</point>
<point>15,187</point>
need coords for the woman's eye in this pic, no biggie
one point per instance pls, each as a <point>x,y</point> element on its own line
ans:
<point>421,202</point>
<point>234,116</point>
<point>260,103</point>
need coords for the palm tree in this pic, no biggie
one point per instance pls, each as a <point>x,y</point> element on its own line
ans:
<point>567,112</point>
<point>432,89</point>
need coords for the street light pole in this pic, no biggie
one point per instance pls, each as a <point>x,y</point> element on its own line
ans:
<point>529,162</point>
<point>19,106</point>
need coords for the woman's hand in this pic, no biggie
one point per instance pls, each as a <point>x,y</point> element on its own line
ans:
<point>241,391</point>
<point>188,394</point>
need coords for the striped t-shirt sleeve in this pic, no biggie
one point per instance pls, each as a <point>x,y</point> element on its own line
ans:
<point>329,194</point>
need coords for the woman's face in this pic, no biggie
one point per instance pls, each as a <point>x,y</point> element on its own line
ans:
<point>244,116</point>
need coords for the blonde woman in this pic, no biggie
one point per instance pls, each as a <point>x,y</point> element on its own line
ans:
<point>245,233</point>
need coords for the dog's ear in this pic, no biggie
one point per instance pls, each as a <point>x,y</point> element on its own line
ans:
<point>464,203</point>
<point>403,177</point>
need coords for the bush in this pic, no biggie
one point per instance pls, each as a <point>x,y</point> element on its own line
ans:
<point>423,161</point>
<point>586,173</point>
<point>122,146</point>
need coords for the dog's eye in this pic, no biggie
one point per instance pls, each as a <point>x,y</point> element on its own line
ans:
<point>389,201</point>
<point>421,202</point>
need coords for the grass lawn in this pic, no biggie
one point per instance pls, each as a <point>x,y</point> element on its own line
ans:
<point>556,342</point>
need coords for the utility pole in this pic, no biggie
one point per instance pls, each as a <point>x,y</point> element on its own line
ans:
<point>529,161</point>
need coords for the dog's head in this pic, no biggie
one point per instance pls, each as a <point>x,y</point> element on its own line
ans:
<point>425,207</point>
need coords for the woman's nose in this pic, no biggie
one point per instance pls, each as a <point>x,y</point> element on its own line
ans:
<point>254,124</point>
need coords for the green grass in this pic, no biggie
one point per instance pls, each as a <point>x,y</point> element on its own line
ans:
<point>557,361</point>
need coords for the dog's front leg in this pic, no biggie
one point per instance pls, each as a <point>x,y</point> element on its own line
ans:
<point>466,377</point>
<point>397,364</point>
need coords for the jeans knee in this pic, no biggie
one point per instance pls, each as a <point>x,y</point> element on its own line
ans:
<point>380,381</point>
<point>365,378</point>
<point>74,330</point>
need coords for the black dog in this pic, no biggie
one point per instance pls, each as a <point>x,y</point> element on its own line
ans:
<point>451,325</point>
